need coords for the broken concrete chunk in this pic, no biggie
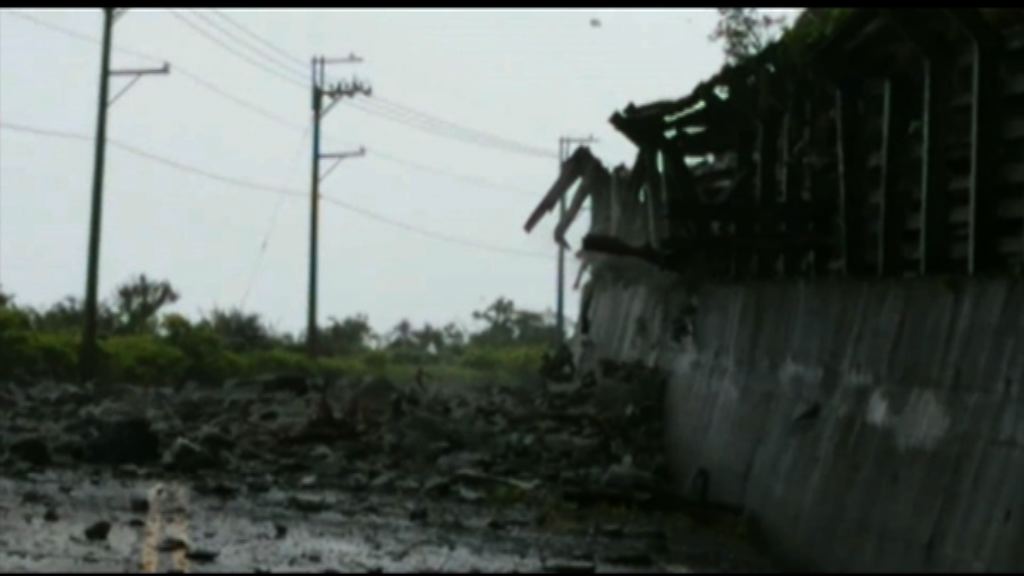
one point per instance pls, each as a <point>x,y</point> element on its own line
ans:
<point>308,504</point>
<point>469,495</point>
<point>569,566</point>
<point>418,514</point>
<point>98,531</point>
<point>186,456</point>
<point>127,441</point>
<point>202,556</point>
<point>32,450</point>
<point>171,544</point>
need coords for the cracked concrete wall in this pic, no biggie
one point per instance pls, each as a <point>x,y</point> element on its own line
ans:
<point>866,424</point>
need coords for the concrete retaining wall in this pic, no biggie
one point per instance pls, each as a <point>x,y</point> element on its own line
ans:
<point>867,425</point>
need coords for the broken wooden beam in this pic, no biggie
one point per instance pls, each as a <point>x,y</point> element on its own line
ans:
<point>572,169</point>
<point>851,168</point>
<point>934,236</point>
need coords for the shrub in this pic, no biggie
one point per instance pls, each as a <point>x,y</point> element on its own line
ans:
<point>375,361</point>
<point>208,360</point>
<point>276,361</point>
<point>142,360</point>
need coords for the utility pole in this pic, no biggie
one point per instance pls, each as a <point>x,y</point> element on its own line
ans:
<point>565,144</point>
<point>335,94</point>
<point>87,358</point>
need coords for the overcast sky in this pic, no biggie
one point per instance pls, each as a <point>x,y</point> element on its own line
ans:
<point>525,76</point>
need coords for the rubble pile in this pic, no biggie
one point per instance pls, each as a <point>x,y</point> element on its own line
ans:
<point>588,440</point>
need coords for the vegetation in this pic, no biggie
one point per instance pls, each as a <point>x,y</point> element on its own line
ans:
<point>745,32</point>
<point>145,344</point>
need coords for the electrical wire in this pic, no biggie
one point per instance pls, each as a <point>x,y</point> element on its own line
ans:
<point>277,189</point>
<point>283,53</point>
<point>230,49</point>
<point>255,50</point>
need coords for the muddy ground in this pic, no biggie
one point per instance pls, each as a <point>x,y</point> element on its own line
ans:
<point>284,474</point>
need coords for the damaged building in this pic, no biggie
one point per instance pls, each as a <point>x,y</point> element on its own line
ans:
<point>821,250</point>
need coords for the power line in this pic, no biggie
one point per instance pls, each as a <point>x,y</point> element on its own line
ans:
<point>465,178</point>
<point>241,102</point>
<point>280,120</point>
<point>177,67</point>
<point>80,35</point>
<point>245,57</point>
<point>442,128</point>
<point>262,40</point>
<point>153,157</point>
<point>433,129</point>
<point>256,50</point>
<point>377,106</point>
<point>277,189</point>
<point>409,110</point>
<point>395,108</point>
<point>435,235</point>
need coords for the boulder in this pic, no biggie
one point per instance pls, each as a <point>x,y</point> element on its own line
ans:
<point>127,441</point>
<point>34,451</point>
<point>186,456</point>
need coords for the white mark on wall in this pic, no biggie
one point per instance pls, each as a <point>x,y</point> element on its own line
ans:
<point>799,377</point>
<point>859,378</point>
<point>878,410</point>
<point>921,425</point>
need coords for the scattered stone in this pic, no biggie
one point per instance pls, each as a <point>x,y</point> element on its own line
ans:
<point>34,497</point>
<point>469,495</point>
<point>357,482</point>
<point>98,531</point>
<point>51,515</point>
<point>291,383</point>
<point>630,559</point>
<point>202,556</point>
<point>418,514</point>
<point>72,449</point>
<point>383,481</point>
<point>139,504</point>
<point>136,523</point>
<point>218,489</point>
<point>31,450</point>
<point>214,440</point>
<point>171,543</point>
<point>612,531</point>
<point>627,477</point>
<point>307,504</point>
<point>322,453</point>
<point>436,484</point>
<point>259,485</point>
<point>280,531</point>
<point>185,456</point>
<point>127,441</point>
<point>569,566</point>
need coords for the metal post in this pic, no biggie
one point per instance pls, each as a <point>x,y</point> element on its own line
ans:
<point>89,349</point>
<point>334,94</point>
<point>314,205</point>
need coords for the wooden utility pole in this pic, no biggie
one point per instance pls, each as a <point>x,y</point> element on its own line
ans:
<point>335,93</point>
<point>564,145</point>
<point>88,353</point>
